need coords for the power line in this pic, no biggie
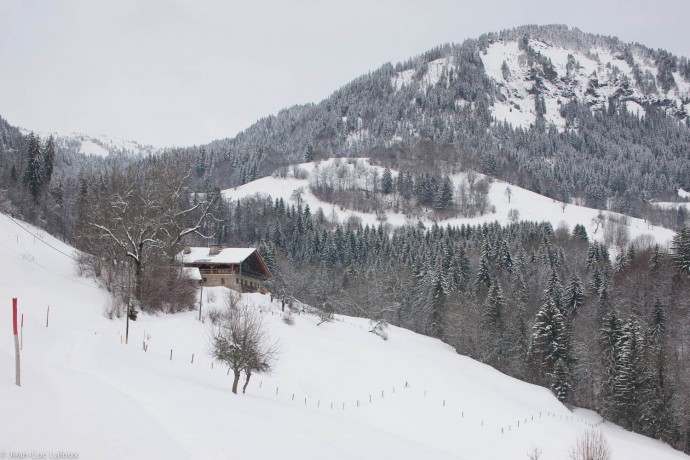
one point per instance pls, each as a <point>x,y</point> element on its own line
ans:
<point>41,240</point>
<point>48,269</point>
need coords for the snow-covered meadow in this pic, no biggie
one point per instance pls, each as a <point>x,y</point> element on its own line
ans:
<point>337,391</point>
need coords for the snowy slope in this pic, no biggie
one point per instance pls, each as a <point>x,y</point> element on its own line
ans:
<point>530,205</point>
<point>85,392</point>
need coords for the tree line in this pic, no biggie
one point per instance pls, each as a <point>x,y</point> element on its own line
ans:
<point>545,305</point>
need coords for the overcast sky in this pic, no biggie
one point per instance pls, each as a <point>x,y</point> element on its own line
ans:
<point>182,72</point>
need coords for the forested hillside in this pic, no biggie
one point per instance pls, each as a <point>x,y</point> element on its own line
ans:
<point>545,305</point>
<point>576,117</point>
<point>570,115</point>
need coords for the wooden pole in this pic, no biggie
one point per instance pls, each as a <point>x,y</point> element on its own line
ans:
<point>16,342</point>
<point>201,298</point>
<point>127,324</point>
<point>47,315</point>
<point>21,339</point>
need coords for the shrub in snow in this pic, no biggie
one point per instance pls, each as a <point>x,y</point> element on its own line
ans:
<point>242,343</point>
<point>591,446</point>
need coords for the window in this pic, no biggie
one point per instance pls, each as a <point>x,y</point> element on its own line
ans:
<point>222,281</point>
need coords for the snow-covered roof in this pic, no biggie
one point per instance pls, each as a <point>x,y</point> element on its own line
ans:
<point>224,256</point>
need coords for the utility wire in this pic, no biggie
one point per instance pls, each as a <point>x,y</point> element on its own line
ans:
<point>41,239</point>
<point>48,269</point>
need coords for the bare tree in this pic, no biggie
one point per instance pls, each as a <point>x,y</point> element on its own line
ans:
<point>140,215</point>
<point>509,193</point>
<point>591,446</point>
<point>242,343</point>
<point>325,313</point>
<point>534,454</point>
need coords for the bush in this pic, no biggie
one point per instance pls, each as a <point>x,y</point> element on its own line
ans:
<point>288,318</point>
<point>591,446</point>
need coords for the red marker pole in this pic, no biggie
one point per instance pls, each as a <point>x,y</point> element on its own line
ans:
<point>16,339</point>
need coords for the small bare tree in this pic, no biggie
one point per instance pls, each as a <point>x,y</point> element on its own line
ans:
<point>508,193</point>
<point>591,446</point>
<point>242,343</point>
<point>534,454</point>
<point>325,313</point>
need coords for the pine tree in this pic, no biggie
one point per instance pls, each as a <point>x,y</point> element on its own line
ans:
<point>548,337</point>
<point>631,377</point>
<point>580,233</point>
<point>493,321</point>
<point>658,325</point>
<point>494,308</point>
<point>48,159</point>
<point>574,296</point>
<point>554,291</point>
<point>386,182</point>
<point>561,380</point>
<point>200,167</point>
<point>681,250</point>
<point>309,154</point>
<point>483,277</point>
<point>609,339</point>
<point>444,195</point>
<point>33,177</point>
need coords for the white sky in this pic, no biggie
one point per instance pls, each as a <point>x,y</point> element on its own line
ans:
<point>182,72</point>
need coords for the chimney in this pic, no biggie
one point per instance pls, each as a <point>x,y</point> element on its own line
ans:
<point>187,249</point>
<point>213,251</point>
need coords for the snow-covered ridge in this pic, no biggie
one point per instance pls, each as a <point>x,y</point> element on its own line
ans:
<point>591,77</point>
<point>99,144</point>
<point>85,392</point>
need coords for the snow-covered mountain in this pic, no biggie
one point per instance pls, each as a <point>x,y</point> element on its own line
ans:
<point>619,113</point>
<point>100,145</point>
<point>599,75</point>
<point>337,392</point>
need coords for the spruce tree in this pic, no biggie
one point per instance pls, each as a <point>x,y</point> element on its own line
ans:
<point>574,296</point>
<point>561,380</point>
<point>309,154</point>
<point>631,376</point>
<point>493,322</point>
<point>548,337</point>
<point>48,159</point>
<point>580,233</point>
<point>33,177</point>
<point>681,250</point>
<point>386,182</point>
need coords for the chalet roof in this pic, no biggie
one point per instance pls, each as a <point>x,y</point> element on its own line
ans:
<point>224,256</point>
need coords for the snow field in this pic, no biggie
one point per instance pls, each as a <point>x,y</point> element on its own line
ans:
<point>85,391</point>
